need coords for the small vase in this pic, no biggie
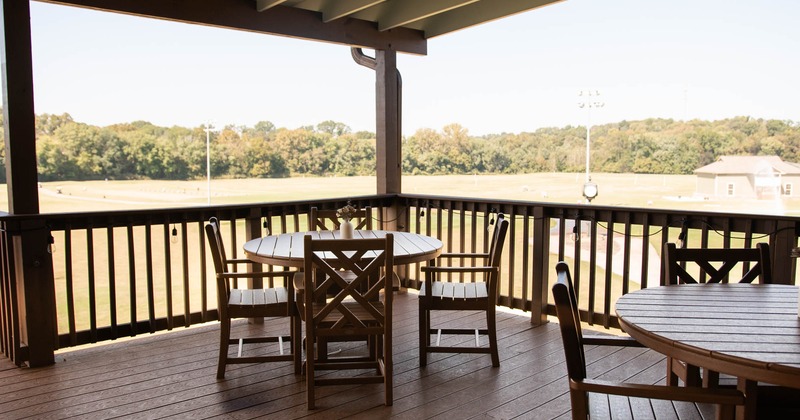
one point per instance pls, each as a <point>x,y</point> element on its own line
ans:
<point>346,229</point>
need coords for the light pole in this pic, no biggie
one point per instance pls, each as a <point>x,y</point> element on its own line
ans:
<point>589,99</point>
<point>208,131</point>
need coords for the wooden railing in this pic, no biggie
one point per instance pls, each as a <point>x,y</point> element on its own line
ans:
<point>119,274</point>
<point>612,250</point>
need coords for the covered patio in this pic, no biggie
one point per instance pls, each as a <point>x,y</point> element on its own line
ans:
<point>55,303</point>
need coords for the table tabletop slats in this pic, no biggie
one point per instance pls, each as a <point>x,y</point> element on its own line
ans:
<point>287,249</point>
<point>749,330</point>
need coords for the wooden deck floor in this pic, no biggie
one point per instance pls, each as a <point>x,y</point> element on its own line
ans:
<point>173,375</point>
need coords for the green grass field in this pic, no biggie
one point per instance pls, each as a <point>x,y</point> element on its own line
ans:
<point>627,190</point>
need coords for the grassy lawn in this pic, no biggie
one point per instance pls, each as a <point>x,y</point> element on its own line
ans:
<point>627,190</point>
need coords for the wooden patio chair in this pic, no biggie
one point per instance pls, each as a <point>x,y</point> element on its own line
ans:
<point>456,296</point>
<point>354,309</point>
<point>714,265</point>
<point>592,397</point>
<point>727,259</point>
<point>328,220</point>
<point>233,303</point>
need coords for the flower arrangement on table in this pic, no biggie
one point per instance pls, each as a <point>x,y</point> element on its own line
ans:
<point>347,212</point>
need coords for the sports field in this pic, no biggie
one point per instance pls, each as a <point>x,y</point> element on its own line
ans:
<point>628,190</point>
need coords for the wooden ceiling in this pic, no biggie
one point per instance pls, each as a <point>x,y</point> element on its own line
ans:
<point>400,25</point>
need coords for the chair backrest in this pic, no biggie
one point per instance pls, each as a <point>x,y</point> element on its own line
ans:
<point>214,234</point>
<point>715,264</point>
<point>496,253</point>
<point>372,262</point>
<point>570,323</point>
<point>220,262</point>
<point>328,220</point>
<point>496,232</point>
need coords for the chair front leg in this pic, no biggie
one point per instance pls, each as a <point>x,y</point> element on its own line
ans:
<point>491,325</point>
<point>224,338</point>
<point>424,335</point>
<point>297,348</point>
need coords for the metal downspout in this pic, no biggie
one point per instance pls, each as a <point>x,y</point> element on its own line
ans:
<point>360,58</point>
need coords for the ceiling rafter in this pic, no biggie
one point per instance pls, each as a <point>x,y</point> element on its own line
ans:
<point>403,13</point>
<point>474,14</point>
<point>339,9</point>
<point>262,5</point>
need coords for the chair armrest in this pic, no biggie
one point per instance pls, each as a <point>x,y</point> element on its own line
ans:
<point>662,392</point>
<point>440,269</point>
<point>265,274</point>
<point>611,340</point>
<point>240,261</point>
<point>464,255</point>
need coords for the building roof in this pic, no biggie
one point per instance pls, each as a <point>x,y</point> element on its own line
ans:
<point>745,165</point>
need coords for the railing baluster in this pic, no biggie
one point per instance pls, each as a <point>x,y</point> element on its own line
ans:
<point>626,256</point>
<point>187,311</point>
<point>512,251</point>
<point>168,275</point>
<point>204,314</point>
<point>609,270</point>
<point>577,239</point>
<point>592,265</point>
<point>112,284</point>
<point>148,246</point>
<point>132,281</point>
<point>70,287</point>
<point>643,279</point>
<point>527,257</point>
<point>91,284</point>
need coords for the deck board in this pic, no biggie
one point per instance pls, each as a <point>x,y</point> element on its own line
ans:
<point>172,375</point>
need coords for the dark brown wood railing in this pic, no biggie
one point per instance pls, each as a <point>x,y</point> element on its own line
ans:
<point>119,274</point>
<point>612,250</point>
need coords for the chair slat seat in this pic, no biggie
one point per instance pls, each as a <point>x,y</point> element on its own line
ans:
<point>443,290</point>
<point>259,297</point>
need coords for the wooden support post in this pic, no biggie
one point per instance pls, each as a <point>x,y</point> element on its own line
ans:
<point>34,265</point>
<point>541,266</point>
<point>389,147</point>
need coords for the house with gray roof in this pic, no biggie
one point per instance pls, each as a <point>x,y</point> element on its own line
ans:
<point>762,177</point>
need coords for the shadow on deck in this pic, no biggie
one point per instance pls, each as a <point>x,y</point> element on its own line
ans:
<point>173,375</point>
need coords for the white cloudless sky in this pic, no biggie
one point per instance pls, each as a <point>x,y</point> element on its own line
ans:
<point>681,59</point>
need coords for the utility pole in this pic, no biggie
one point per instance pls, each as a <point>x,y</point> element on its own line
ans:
<point>589,99</point>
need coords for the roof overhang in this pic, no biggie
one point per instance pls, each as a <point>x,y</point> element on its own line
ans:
<point>399,25</point>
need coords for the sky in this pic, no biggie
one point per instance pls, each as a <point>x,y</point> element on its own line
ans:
<point>680,59</point>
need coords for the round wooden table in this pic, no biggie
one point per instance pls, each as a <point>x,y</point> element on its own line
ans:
<point>750,331</point>
<point>287,249</point>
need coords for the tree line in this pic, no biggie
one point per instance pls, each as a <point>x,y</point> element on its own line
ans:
<point>70,150</point>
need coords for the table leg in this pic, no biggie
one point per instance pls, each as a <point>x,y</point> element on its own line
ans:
<point>750,390</point>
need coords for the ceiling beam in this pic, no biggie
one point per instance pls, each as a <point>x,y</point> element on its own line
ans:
<point>399,13</point>
<point>262,5</point>
<point>278,20</point>
<point>338,9</point>
<point>475,13</point>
